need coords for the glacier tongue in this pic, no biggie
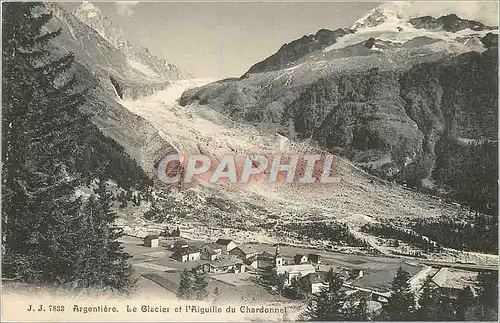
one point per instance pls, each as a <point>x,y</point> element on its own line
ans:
<point>173,92</point>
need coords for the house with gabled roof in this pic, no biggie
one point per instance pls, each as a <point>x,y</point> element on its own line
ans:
<point>187,254</point>
<point>225,265</point>
<point>210,251</point>
<point>261,261</point>
<point>294,271</point>
<point>226,245</point>
<point>314,258</point>
<point>152,241</point>
<point>451,281</point>
<point>314,282</point>
<point>299,259</point>
<point>245,252</point>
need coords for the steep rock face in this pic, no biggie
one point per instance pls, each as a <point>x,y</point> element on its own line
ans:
<point>92,17</point>
<point>289,53</point>
<point>113,70</point>
<point>403,123</point>
<point>106,72</point>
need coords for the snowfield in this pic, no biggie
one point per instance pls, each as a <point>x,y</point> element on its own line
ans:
<point>389,22</point>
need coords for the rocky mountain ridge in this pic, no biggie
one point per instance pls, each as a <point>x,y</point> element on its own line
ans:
<point>451,23</point>
<point>90,15</point>
<point>109,75</point>
<point>385,24</point>
<point>289,53</point>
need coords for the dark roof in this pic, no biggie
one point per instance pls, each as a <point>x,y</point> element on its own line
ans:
<point>186,251</point>
<point>212,246</point>
<point>298,255</point>
<point>266,254</point>
<point>247,249</point>
<point>317,277</point>
<point>314,255</point>
<point>151,236</point>
<point>223,242</point>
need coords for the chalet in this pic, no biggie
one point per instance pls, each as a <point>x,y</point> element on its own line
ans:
<point>261,261</point>
<point>152,241</point>
<point>210,251</point>
<point>354,274</point>
<point>187,254</point>
<point>225,265</point>
<point>299,259</point>
<point>314,258</point>
<point>226,245</point>
<point>451,281</point>
<point>245,252</point>
<point>294,271</point>
<point>376,296</point>
<point>179,244</point>
<point>313,282</point>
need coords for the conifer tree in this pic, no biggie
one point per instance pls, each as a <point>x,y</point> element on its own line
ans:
<point>185,290</point>
<point>40,125</point>
<point>279,281</point>
<point>216,293</point>
<point>429,296</point>
<point>488,288</point>
<point>433,306</point>
<point>297,289</point>
<point>119,271</point>
<point>200,285</point>
<point>328,304</point>
<point>485,307</point>
<point>356,309</point>
<point>401,305</point>
<point>463,303</point>
<point>50,236</point>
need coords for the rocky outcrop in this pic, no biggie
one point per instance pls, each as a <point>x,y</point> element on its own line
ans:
<point>490,40</point>
<point>290,53</point>
<point>451,23</point>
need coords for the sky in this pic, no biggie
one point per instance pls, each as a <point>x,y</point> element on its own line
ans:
<point>223,39</point>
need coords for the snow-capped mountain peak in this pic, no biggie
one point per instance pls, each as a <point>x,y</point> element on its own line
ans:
<point>89,10</point>
<point>380,15</point>
<point>399,22</point>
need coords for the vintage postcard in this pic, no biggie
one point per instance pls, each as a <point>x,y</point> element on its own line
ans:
<point>249,161</point>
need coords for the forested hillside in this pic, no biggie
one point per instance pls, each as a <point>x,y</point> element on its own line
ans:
<point>49,148</point>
